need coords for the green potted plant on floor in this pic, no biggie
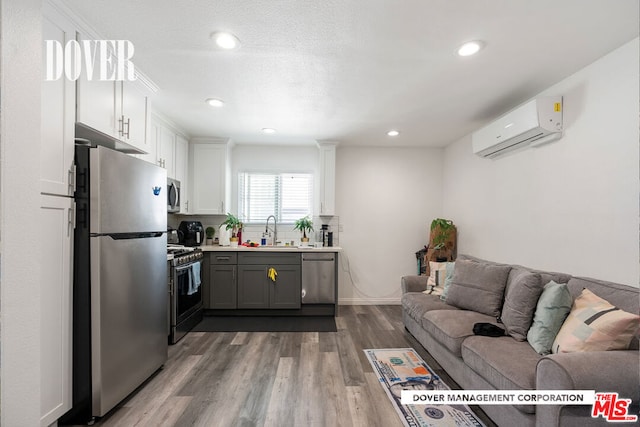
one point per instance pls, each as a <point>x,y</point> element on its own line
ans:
<point>441,231</point>
<point>304,224</point>
<point>232,223</point>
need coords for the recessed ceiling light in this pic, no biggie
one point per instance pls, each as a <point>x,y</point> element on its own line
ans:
<point>214,102</point>
<point>393,133</point>
<point>225,40</point>
<point>268,130</point>
<point>470,48</point>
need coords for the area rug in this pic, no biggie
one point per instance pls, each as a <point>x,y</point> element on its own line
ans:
<point>403,369</point>
<point>266,324</point>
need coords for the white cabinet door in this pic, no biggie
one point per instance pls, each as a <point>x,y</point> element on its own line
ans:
<point>150,145</point>
<point>134,115</point>
<point>58,114</point>
<point>166,150</point>
<point>55,260</point>
<point>209,172</point>
<point>181,164</point>
<point>327,179</point>
<point>117,109</point>
<point>96,102</point>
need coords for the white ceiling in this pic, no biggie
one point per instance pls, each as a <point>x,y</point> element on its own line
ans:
<point>349,70</point>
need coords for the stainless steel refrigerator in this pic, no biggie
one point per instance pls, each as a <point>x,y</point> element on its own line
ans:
<point>120,278</point>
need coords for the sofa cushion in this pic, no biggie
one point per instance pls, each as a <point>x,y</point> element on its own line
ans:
<point>447,281</point>
<point>503,362</point>
<point>595,325</point>
<point>416,304</point>
<point>552,309</point>
<point>450,328</point>
<point>478,286</point>
<point>545,276</point>
<point>520,303</point>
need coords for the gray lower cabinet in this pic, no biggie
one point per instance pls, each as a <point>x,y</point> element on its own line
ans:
<point>253,286</point>
<point>223,284</point>
<point>257,290</point>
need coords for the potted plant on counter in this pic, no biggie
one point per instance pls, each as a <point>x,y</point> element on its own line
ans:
<point>232,223</point>
<point>210,232</point>
<point>304,224</point>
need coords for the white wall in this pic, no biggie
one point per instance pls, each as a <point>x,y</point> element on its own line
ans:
<point>21,35</point>
<point>570,206</point>
<point>386,199</point>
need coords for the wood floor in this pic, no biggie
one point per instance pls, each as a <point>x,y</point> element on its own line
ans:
<point>275,378</point>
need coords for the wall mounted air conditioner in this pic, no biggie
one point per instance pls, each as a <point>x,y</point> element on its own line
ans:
<point>535,123</point>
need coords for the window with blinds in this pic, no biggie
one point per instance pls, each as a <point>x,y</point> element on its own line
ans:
<point>288,196</point>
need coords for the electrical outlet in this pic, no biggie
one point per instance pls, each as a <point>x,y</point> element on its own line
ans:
<point>340,227</point>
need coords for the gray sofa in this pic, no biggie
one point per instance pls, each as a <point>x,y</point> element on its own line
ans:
<point>502,363</point>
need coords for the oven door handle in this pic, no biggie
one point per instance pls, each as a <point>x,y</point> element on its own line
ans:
<point>179,268</point>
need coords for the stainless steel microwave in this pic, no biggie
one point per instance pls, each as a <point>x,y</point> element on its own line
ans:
<point>173,195</point>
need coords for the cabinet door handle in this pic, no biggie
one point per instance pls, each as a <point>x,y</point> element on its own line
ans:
<point>222,206</point>
<point>121,125</point>
<point>72,218</point>
<point>223,258</point>
<point>72,179</point>
<point>321,207</point>
<point>187,206</point>
<point>128,127</point>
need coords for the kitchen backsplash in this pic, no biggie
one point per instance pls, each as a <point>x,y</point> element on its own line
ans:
<point>253,232</point>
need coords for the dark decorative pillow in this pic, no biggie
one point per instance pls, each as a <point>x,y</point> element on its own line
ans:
<point>479,287</point>
<point>520,303</point>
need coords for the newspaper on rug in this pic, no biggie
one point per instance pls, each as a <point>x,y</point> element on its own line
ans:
<point>403,369</point>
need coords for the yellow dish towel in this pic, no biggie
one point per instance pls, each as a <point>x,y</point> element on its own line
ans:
<point>272,274</point>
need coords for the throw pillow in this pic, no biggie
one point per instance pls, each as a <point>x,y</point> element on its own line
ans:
<point>595,325</point>
<point>437,274</point>
<point>479,287</point>
<point>520,303</point>
<point>447,281</point>
<point>553,307</point>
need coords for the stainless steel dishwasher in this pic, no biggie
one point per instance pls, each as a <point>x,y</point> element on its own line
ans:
<point>319,278</point>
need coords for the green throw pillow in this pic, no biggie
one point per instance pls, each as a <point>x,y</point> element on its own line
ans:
<point>447,280</point>
<point>553,308</point>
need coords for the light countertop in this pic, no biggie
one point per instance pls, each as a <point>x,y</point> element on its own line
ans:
<point>217,248</point>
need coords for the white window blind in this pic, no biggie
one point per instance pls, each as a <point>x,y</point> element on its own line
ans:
<point>288,196</point>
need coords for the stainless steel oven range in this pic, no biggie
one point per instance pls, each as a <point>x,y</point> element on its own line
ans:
<point>185,290</point>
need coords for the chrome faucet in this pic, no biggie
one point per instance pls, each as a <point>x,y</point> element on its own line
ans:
<point>275,229</point>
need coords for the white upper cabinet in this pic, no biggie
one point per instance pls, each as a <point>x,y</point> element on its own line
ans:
<point>210,183</point>
<point>165,150</point>
<point>327,178</point>
<point>96,102</point>
<point>181,165</point>
<point>117,109</point>
<point>133,114</point>
<point>58,115</point>
<point>171,150</point>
